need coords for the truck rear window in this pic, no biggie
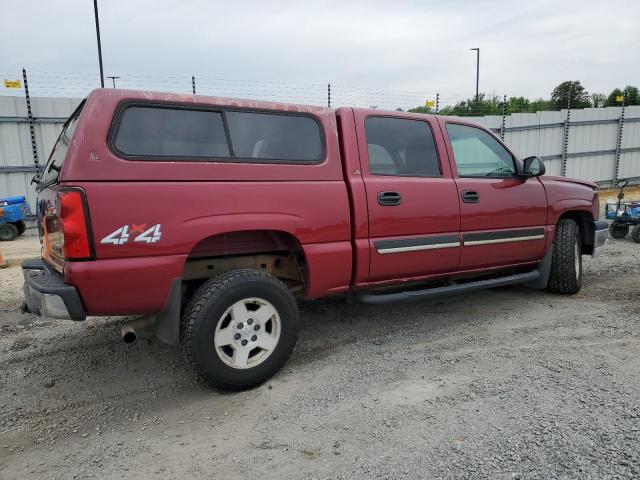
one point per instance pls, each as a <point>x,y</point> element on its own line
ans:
<point>176,132</point>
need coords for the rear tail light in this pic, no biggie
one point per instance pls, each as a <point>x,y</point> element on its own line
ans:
<point>76,229</point>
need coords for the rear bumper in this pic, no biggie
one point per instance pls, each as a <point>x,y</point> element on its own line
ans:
<point>46,293</point>
<point>600,236</point>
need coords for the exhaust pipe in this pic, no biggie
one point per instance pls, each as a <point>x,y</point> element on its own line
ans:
<point>130,329</point>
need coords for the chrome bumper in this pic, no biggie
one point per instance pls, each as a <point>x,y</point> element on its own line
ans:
<point>600,237</point>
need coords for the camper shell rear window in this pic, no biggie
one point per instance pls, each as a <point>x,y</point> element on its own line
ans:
<point>144,131</point>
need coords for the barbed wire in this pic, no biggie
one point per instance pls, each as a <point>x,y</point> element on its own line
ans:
<point>79,84</point>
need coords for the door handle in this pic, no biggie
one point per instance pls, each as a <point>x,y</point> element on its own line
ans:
<point>389,199</point>
<point>470,196</point>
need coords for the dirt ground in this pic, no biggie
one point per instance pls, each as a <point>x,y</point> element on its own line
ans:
<point>501,384</point>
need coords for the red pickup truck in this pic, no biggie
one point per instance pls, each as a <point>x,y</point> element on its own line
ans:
<point>209,217</point>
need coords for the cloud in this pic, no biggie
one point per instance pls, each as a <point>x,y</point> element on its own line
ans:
<point>410,49</point>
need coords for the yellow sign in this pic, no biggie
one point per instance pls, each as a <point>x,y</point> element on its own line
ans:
<point>429,103</point>
<point>620,98</point>
<point>12,83</point>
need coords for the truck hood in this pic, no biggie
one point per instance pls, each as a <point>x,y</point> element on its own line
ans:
<point>568,180</point>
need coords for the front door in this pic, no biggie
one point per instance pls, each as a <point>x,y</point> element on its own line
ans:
<point>414,216</point>
<point>503,217</point>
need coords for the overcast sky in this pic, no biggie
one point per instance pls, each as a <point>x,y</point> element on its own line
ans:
<point>394,46</point>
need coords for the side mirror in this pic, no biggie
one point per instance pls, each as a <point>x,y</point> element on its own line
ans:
<point>533,167</point>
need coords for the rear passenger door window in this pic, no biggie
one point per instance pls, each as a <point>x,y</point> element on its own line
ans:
<point>401,147</point>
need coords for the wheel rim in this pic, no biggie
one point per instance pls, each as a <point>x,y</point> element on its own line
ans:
<point>247,333</point>
<point>577,260</point>
<point>6,233</point>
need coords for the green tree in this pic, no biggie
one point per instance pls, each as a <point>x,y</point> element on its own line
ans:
<point>542,105</point>
<point>598,100</point>
<point>632,96</point>
<point>612,99</point>
<point>475,107</point>
<point>572,91</point>
<point>518,105</point>
<point>422,109</point>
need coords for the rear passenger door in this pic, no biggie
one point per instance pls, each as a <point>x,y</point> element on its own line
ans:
<point>503,217</point>
<point>412,200</point>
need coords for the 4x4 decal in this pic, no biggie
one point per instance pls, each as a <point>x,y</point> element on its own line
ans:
<point>124,233</point>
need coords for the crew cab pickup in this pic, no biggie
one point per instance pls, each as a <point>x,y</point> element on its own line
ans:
<point>209,217</point>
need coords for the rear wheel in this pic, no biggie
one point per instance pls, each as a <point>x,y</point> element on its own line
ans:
<point>240,329</point>
<point>635,233</point>
<point>618,231</point>
<point>566,264</point>
<point>21,226</point>
<point>8,231</point>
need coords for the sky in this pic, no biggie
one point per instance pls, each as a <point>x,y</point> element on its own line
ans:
<point>388,52</point>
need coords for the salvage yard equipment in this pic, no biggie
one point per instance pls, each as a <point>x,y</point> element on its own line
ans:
<point>625,216</point>
<point>13,212</point>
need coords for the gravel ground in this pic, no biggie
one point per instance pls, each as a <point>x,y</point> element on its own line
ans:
<point>501,384</point>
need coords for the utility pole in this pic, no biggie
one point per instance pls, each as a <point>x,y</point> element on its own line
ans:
<point>95,11</point>
<point>193,84</point>
<point>477,71</point>
<point>113,79</point>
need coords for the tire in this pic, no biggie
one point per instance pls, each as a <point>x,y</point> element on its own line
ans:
<point>224,358</point>
<point>21,226</point>
<point>635,233</point>
<point>8,232</point>
<point>566,263</point>
<point>618,231</point>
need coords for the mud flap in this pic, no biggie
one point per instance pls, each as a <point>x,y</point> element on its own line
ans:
<point>544,267</point>
<point>167,326</point>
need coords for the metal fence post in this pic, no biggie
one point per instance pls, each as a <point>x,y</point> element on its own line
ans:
<point>193,84</point>
<point>616,164</point>
<point>565,143</point>
<point>329,95</point>
<point>504,117</point>
<point>437,102</point>
<point>32,131</point>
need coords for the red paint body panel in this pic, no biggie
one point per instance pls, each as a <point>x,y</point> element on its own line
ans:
<point>125,285</point>
<point>329,209</point>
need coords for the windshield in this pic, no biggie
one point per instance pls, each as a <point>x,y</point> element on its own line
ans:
<point>59,152</point>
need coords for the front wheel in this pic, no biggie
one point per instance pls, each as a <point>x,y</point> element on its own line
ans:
<point>8,231</point>
<point>566,264</point>
<point>240,329</point>
<point>618,231</point>
<point>635,233</point>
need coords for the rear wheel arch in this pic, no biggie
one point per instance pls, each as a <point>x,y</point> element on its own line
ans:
<point>277,252</point>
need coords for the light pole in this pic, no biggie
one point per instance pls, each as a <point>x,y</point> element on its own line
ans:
<point>477,70</point>
<point>95,11</point>
<point>113,79</point>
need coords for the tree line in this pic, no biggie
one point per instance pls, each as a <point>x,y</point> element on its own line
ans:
<point>570,93</point>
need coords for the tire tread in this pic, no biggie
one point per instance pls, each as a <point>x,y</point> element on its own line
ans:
<point>562,278</point>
